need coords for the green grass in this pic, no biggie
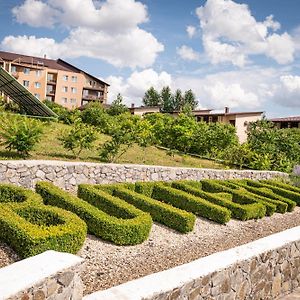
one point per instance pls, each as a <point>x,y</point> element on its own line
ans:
<point>49,148</point>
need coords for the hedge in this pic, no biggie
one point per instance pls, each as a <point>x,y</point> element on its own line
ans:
<point>241,212</point>
<point>160,212</point>
<point>239,195</point>
<point>127,226</point>
<point>30,227</point>
<point>145,188</point>
<point>277,190</point>
<point>199,206</point>
<point>283,204</point>
<point>283,185</point>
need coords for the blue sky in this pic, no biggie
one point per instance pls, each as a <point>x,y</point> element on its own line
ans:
<point>244,54</point>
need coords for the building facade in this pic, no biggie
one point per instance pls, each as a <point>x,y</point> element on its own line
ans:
<point>287,122</point>
<point>55,80</point>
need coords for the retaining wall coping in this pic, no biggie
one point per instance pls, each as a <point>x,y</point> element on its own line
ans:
<point>162,282</point>
<point>29,272</point>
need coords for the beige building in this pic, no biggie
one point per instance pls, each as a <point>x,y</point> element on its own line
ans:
<point>55,80</point>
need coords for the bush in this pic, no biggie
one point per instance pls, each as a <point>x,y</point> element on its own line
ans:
<point>145,188</point>
<point>161,212</point>
<point>126,226</point>
<point>191,203</point>
<point>283,185</point>
<point>20,133</point>
<point>239,195</point>
<point>283,204</point>
<point>80,136</point>
<point>241,212</point>
<point>30,227</point>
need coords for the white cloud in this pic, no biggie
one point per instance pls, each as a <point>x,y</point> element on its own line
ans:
<point>188,53</point>
<point>231,34</point>
<point>109,31</point>
<point>191,31</point>
<point>134,87</point>
<point>287,92</point>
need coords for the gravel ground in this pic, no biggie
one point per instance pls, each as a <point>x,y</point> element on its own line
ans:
<point>108,265</point>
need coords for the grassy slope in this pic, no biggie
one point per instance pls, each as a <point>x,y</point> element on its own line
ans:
<point>51,149</point>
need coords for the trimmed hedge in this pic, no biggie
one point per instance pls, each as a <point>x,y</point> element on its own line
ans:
<point>127,226</point>
<point>277,190</point>
<point>283,204</point>
<point>283,185</point>
<point>160,212</point>
<point>239,195</point>
<point>30,227</point>
<point>196,205</point>
<point>145,188</point>
<point>241,212</point>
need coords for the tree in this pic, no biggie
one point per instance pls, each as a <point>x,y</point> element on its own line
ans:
<point>178,101</point>
<point>80,136</point>
<point>152,97</point>
<point>167,99</point>
<point>117,107</point>
<point>189,100</point>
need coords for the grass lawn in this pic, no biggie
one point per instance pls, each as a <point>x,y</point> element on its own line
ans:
<point>50,148</point>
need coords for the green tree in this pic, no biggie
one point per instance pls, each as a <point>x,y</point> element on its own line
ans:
<point>151,97</point>
<point>178,101</point>
<point>80,136</point>
<point>20,133</point>
<point>117,107</point>
<point>167,99</point>
<point>189,100</point>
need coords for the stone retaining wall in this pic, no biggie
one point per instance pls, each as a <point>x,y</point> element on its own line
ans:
<point>263,269</point>
<point>68,175</point>
<point>50,275</point>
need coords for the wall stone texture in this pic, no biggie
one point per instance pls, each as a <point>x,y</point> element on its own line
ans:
<point>68,175</point>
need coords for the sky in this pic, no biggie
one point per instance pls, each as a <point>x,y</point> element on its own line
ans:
<point>244,54</point>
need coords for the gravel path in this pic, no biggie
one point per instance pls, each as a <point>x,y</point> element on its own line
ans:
<point>108,265</point>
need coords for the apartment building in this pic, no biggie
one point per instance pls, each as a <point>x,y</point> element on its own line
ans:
<point>55,80</point>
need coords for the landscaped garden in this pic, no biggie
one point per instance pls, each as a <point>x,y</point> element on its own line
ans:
<point>123,214</point>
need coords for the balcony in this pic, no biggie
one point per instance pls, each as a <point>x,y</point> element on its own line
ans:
<point>94,88</point>
<point>51,81</point>
<point>51,93</point>
<point>91,97</point>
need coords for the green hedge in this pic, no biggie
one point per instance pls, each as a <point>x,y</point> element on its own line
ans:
<point>277,190</point>
<point>145,188</point>
<point>132,229</point>
<point>161,212</point>
<point>283,204</point>
<point>283,185</point>
<point>239,195</point>
<point>241,212</point>
<point>30,227</point>
<point>199,206</point>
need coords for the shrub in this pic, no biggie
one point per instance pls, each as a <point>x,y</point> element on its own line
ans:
<point>239,195</point>
<point>20,133</point>
<point>283,204</point>
<point>283,185</point>
<point>126,226</point>
<point>80,136</point>
<point>241,212</point>
<point>191,203</point>
<point>161,212</point>
<point>30,227</point>
<point>145,188</point>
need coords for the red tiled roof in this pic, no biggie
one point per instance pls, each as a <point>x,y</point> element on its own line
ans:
<point>287,119</point>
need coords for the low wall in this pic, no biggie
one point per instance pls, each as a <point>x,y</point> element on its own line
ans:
<point>68,175</point>
<point>263,269</point>
<point>50,275</point>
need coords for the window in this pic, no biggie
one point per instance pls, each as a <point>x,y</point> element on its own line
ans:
<point>37,85</point>
<point>64,100</point>
<point>26,83</point>
<point>65,78</point>
<point>74,78</point>
<point>13,69</point>
<point>49,98</point>
<point>37,95</point>
<point>50,77</point>
<point>65,89</point>
<point>38,73</point>
<point>26,71</point>
<point>73,90</point>
<point>73,100</point>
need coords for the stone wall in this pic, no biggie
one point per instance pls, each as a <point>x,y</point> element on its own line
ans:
<point>263,269</point>
<point>50,275</point>
<point>68,175</point>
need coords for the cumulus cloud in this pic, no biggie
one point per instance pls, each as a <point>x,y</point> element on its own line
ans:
<point>231,34</point>
<point>287,91</point>
<point>191,31</point>
<point>109,31</point>
<point>188,53</point>
<point>134,87</point>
